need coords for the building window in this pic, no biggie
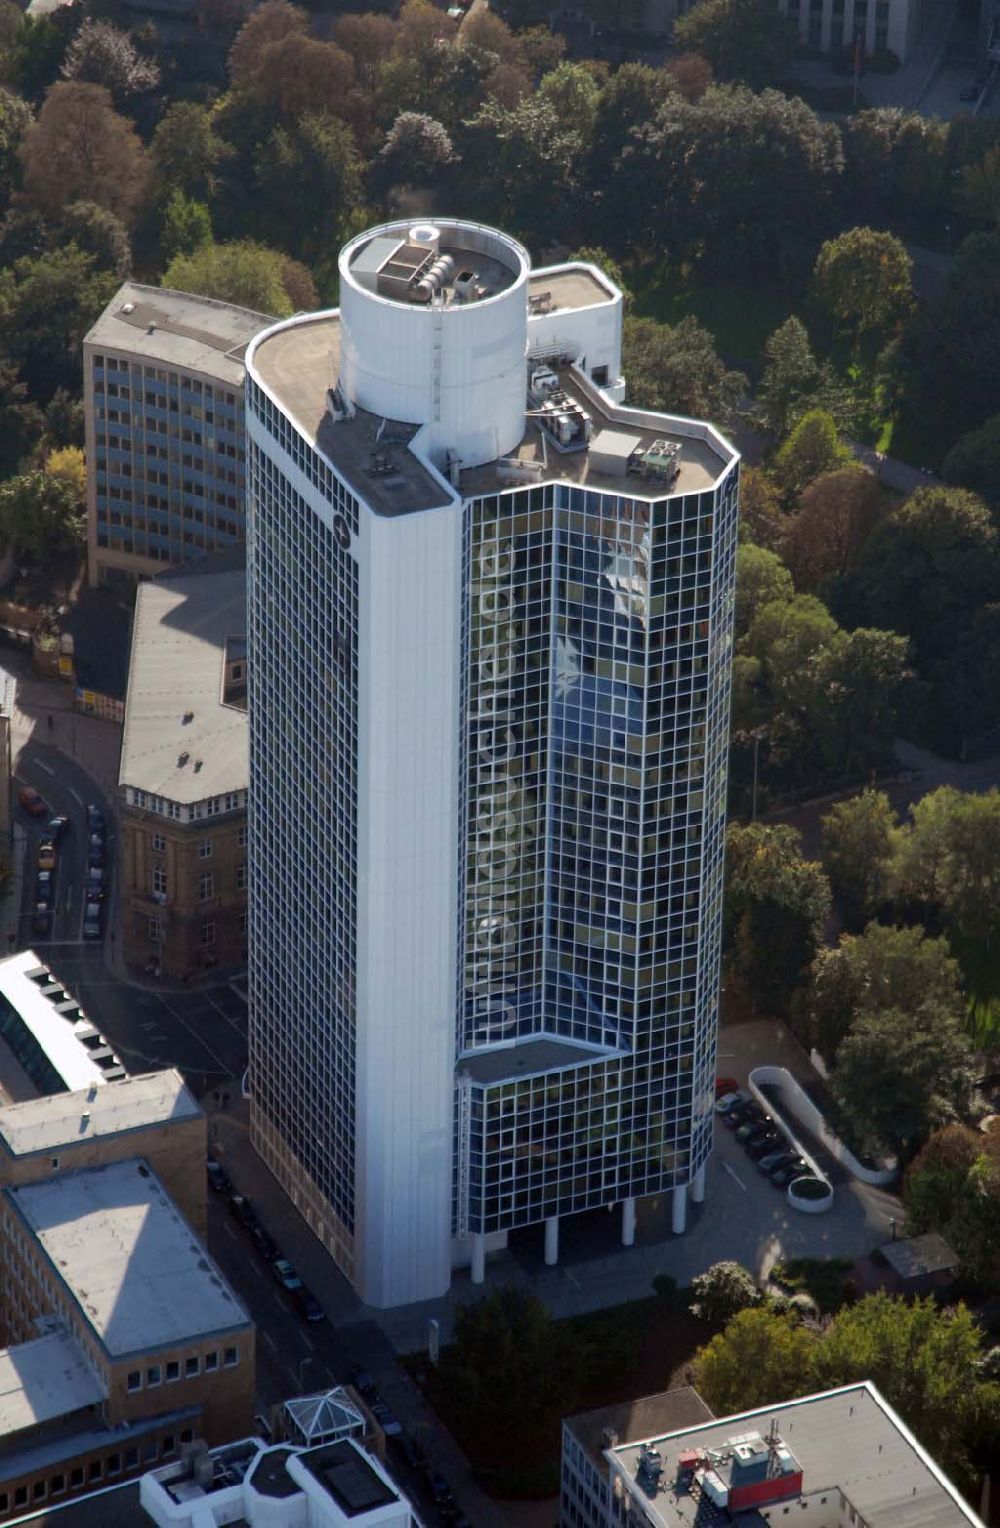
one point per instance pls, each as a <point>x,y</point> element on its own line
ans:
<point>206,887</point>
<point>94,1470</point>
<point>4,1501</point>
<point>153,1375</point>
<point>187,1435</point>
<point>55,1164</point>
<point>154,930</point>
<point>169,1445</point>
<point>241,877</point>
<point>134,1381</point>
<point>207,935</point>
<point>21,1495</point>
<point>131,1458</point>
<point>211,1361</point>
<point>114,1464</point>
<point>76,1476</point>
<point>205,849</point>
<point>150,1451</point>
<point>58,1485</point>
<point>159,880</point>
<point>38,1490</point>
<point>191,1367</point>
<point>241,836</point>
<point>230,1358</point>
<point>159,844</point>
<point>173,1370</point>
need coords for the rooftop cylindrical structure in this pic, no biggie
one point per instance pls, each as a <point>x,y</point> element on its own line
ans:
<point>434,325</point>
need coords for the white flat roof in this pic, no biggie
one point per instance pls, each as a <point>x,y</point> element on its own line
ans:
<point>62,1119</point>
<point>179,634</point>
<point>46,1378</point>
<point>179,329</point>
<point>52,1030</point>
<point>127,1256</point>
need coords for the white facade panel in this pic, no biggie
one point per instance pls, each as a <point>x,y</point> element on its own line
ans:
<point>409,654</point>
<point>593,335</point>
<point>458,369</point>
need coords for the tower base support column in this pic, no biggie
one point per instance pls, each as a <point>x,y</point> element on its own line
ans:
<point>552,1241</point>
<point>679,1214</point>
<point>698,1185</point>
<point>628,1222</point>
<point>478,1267</point>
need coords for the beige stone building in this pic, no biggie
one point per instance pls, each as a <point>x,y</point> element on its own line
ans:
<point>152,1116</point>
<point>124,1340</point>
<point>184,773</point>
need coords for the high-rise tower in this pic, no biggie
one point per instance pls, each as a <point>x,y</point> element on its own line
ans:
<point>490,645</point>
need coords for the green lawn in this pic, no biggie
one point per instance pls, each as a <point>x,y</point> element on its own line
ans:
<point>739,316</point>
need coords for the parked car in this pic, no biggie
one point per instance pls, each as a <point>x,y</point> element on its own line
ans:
<point>753,1126</point>
<point>768,1143</point>
<point>725,1085</point>
<point>729,1101</point>
<point>242,1210</point>
<point>95,850</point>
<point>218,1178</point>
<point>95,820</point>
<point>285,1274</point>
<point>265,1243</point>
<point>782,1176</point>
<point>41,921</point>
<point>363,1383</point>
<point>95,883</point>
<point>742,1114</point>
<point>776,1158</point>
<point>411,1452</point>
<point>32,802</point>
<point>386,1419</point>
<point>47,854</point>
<point>92,920</point>
<point>45,887</point>
<point>759,1130</point>
<point>307,1305</point>
<point>57,826</point>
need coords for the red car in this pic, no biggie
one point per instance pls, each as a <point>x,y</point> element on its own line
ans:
<point>726,1085</point>
<point>32,801</point>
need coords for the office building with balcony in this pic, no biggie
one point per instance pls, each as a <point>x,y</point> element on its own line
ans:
<point>490,617</point>
<point>184,771</point>
<point>164,417</point>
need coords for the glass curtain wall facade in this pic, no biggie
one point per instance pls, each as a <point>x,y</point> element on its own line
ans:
<point>597,638</point>
<point>303,708</point>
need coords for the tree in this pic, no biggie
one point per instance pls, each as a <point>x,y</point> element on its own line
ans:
<point>789,378</point>
<point>102,55</point>
<point>417,150</point>
<point>187,152</point>
<point>881,969</point>
<point>953,1186</point>
<point>41,513</point>
<point>97,232</point>
<point>974,462</point>
<point>776,908</point>
<point>296,75</point>
<point>761,514</point>
<point>760,1355</point>
<point>66,465</point>
<point>676,369</point>
<point>46,308</point>
<point>33,60</point>
<point>811,449</point>
<point>64,421</point>
<point>368,39</point>
<point>748,40</point>
<point>895,158</point>
<point>517,160</point>
<point>861,685</point>
<point>80,149</point>
<point>508,1366</point>
<point>575,95</point>
<point>319,152</point>
<point>244,273</point>
<point>978,197</point>
<point>15,119</point>
<point>787,636</point>
<point>691,75</point>
<point>863,286</point>
<point>722,1291</point>
<point>833,519</point>
<point>951,860</point>
<point>900,1074</point>
<point>964,699</point>
<point>859,852</point>
<point>925,1362</point>
<point>20,420</point>
<point>187,226</point>
<point>761,577</point>
<point>927,563</point>
<point>271,22</point>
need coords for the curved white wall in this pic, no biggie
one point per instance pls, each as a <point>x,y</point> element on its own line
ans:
<point>459,370</point>
<point>801,1107</point>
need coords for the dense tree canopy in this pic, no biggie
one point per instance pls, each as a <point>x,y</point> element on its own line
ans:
<point>776,908</point>
<point>247,274</point>
<point>860,854</point>
<point>676,369</point>
<point>760,1354</point>
<point>79,147</point>
<point>748,40</point>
